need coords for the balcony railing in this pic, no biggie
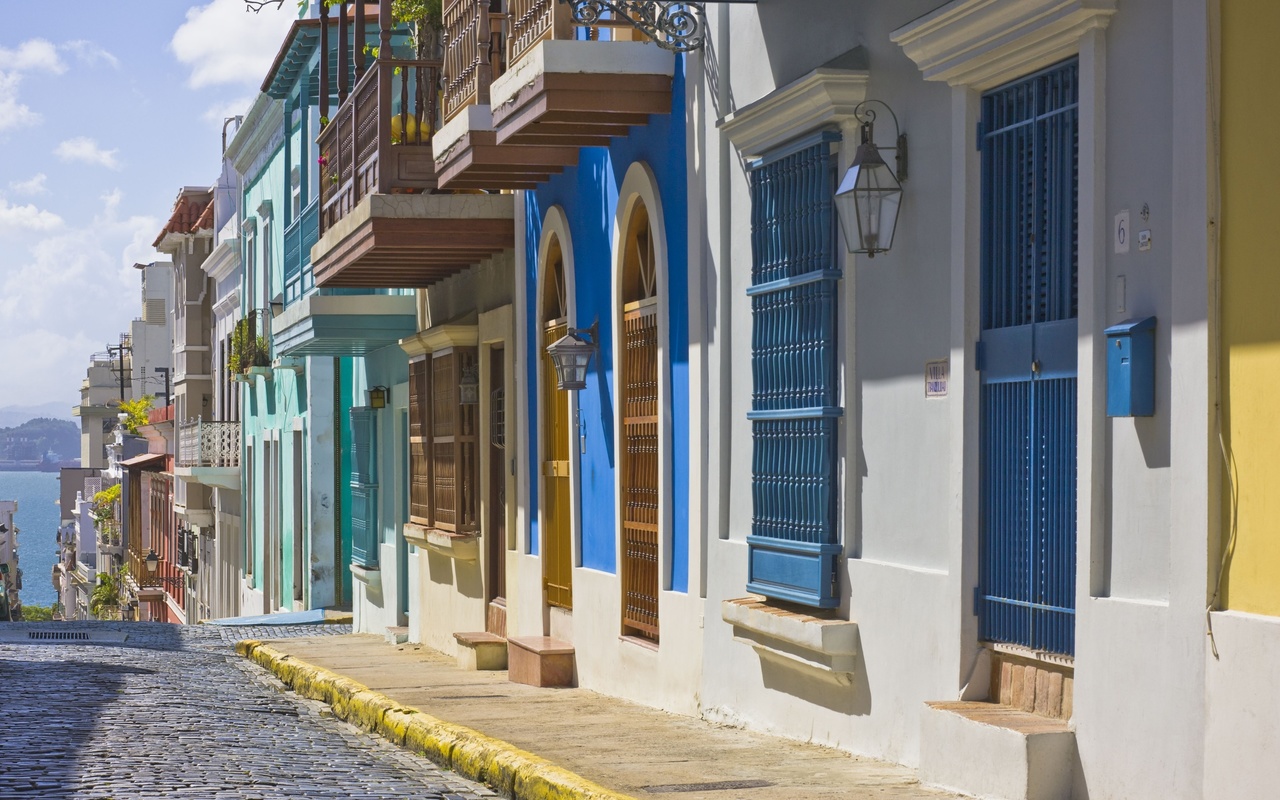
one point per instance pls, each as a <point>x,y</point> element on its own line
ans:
<point>380,137</point>
<point>298,240</point>
<point>209,444</point>
<point>475,52</point>
<point>535,20</point>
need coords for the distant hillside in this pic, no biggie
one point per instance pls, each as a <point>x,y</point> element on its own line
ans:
<point>11,416</point>
<point>34,438</point>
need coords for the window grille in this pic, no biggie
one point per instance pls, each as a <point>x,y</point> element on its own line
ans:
<point>795,405</point>
<point>364,486</point>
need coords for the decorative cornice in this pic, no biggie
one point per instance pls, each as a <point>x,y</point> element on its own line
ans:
<point>984,43</point>
<point>441,337</point>
<point>261,125</point>
<point>826,96</point>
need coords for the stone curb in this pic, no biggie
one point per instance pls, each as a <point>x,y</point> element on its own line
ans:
<point>502,766</point>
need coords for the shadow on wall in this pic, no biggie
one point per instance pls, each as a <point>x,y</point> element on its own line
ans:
<point>820,688</point>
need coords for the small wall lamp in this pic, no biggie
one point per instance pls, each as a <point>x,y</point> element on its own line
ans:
<point>870,193</point>
<point>377,397</point>
<point>571,355</point>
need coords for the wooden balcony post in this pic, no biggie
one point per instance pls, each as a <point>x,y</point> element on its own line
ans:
<point>324,60</point>
<point>344,53</point>
<point>386,159</point>
<point>357,46</point>
<point>484,52</point>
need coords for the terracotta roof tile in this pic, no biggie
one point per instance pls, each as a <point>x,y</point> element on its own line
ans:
<point>188,215</point>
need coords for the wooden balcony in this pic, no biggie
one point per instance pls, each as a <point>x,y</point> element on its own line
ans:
<point>560,90</point>
<point>469,156</point>
<point>383,224</point>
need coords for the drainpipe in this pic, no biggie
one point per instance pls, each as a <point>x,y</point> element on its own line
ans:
<point>723,98</point>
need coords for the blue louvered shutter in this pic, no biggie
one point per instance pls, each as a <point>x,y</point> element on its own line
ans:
<point>364,487</point>
<point>1028,346</point>
<point>795,401</point>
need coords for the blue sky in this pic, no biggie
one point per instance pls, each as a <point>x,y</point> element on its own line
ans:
<point>106,111</point>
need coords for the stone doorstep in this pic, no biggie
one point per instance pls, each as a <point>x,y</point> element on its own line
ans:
<point>397,634</point>
<point>1032,685</point>
<point>994,750</point>
<point>540,661</point>
<point>481,650</point>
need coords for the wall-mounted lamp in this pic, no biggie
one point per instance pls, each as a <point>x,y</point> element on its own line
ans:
<point>469,386</point>
<point>277,308</point>
<point>377,397</point>
<point>571,354</point>
<point>870,194</point>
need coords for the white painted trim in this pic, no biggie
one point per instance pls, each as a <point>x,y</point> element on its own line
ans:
<point>825,96</point>
<point>984,43</point>
<point>641,186</point>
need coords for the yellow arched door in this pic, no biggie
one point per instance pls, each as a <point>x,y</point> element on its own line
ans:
<point>557,550</point>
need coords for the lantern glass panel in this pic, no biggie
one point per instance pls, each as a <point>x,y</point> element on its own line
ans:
<point>868,201</point>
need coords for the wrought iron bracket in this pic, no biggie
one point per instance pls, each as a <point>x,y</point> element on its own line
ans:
<point>680,27</point>
<point>257,5</point>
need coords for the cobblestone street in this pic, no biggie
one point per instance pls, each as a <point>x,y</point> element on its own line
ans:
<point>173,712</point>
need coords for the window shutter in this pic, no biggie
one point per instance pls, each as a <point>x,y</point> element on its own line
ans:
<point>795,411</point>
<point>419,441</point>
<point>364,488</point>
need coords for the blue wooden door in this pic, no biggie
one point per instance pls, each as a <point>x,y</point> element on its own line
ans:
<point>1027,358</point>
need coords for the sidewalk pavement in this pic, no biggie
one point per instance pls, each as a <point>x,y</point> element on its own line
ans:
<point>563,743</point>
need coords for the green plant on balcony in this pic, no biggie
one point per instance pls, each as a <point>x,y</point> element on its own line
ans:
<point>104,603</point>
<point>136,412</point>
<point>247,350</point>
<point>105,505</point>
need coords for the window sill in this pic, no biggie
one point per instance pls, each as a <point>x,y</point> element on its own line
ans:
<point>369,575</point>
<point>458,546</point>
<point>827,648</point>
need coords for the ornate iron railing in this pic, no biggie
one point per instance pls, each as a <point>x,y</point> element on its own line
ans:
<point>209,444</point>
<point>362,146</point>
<point>677,26</point>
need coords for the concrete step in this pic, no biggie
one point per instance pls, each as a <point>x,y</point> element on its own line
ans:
<point>397,634</point>
<point>992,750</point>
<point>481,650</point>
<point>540,661</point>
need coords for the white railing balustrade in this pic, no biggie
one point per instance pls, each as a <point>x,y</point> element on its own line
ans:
<point>209,444</point>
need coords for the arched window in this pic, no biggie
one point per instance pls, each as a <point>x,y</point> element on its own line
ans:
<point>640,478</point>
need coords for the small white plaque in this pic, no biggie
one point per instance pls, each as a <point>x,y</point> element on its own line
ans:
<point>936,374</point>
<point>1144,241</point>
<point>1122,231</point>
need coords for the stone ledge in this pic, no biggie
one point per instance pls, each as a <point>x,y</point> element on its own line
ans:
<point>792,638</point>
<point>459,546</point>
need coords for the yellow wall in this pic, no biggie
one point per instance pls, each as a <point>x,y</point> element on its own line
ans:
<point>1250,230</point>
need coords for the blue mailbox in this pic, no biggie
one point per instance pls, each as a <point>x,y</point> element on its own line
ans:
<point>1131,368</point>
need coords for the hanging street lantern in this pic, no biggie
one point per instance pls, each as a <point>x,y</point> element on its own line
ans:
<point>469,386</point>
<point>870,193</point>
<point>377,397</point>
<point>571,354</point>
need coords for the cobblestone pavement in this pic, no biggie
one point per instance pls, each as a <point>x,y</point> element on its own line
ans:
<point>174,712</point>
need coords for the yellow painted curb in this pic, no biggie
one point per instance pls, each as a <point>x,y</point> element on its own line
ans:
<point>502,766</point>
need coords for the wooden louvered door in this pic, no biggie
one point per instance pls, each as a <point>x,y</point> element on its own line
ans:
<point>420,441</point>
<point>557,553</point>
<point>640,469</point>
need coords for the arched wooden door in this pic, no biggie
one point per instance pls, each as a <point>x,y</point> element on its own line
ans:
<point>640,429</point>
<point>557,551</point>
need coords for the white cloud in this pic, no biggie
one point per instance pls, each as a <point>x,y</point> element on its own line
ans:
<point>33,185</point>
<point>89,53</point>
<point>75,291</point>
<point>33,54</point>
<point>218,113</point>
<point>12,113</point>
<point>27,218</point>
<point>220,43</point>
<point>84,149</point>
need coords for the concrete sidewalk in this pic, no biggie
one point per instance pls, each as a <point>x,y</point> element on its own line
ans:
<point>622,748</point>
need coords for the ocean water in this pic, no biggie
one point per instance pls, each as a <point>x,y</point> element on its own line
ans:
<point>37,521</point>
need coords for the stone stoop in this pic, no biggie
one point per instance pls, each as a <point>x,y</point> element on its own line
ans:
<point>481,650</point>
<point>540,661</point>
<point>397,634</point>
<point>991,750</point>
